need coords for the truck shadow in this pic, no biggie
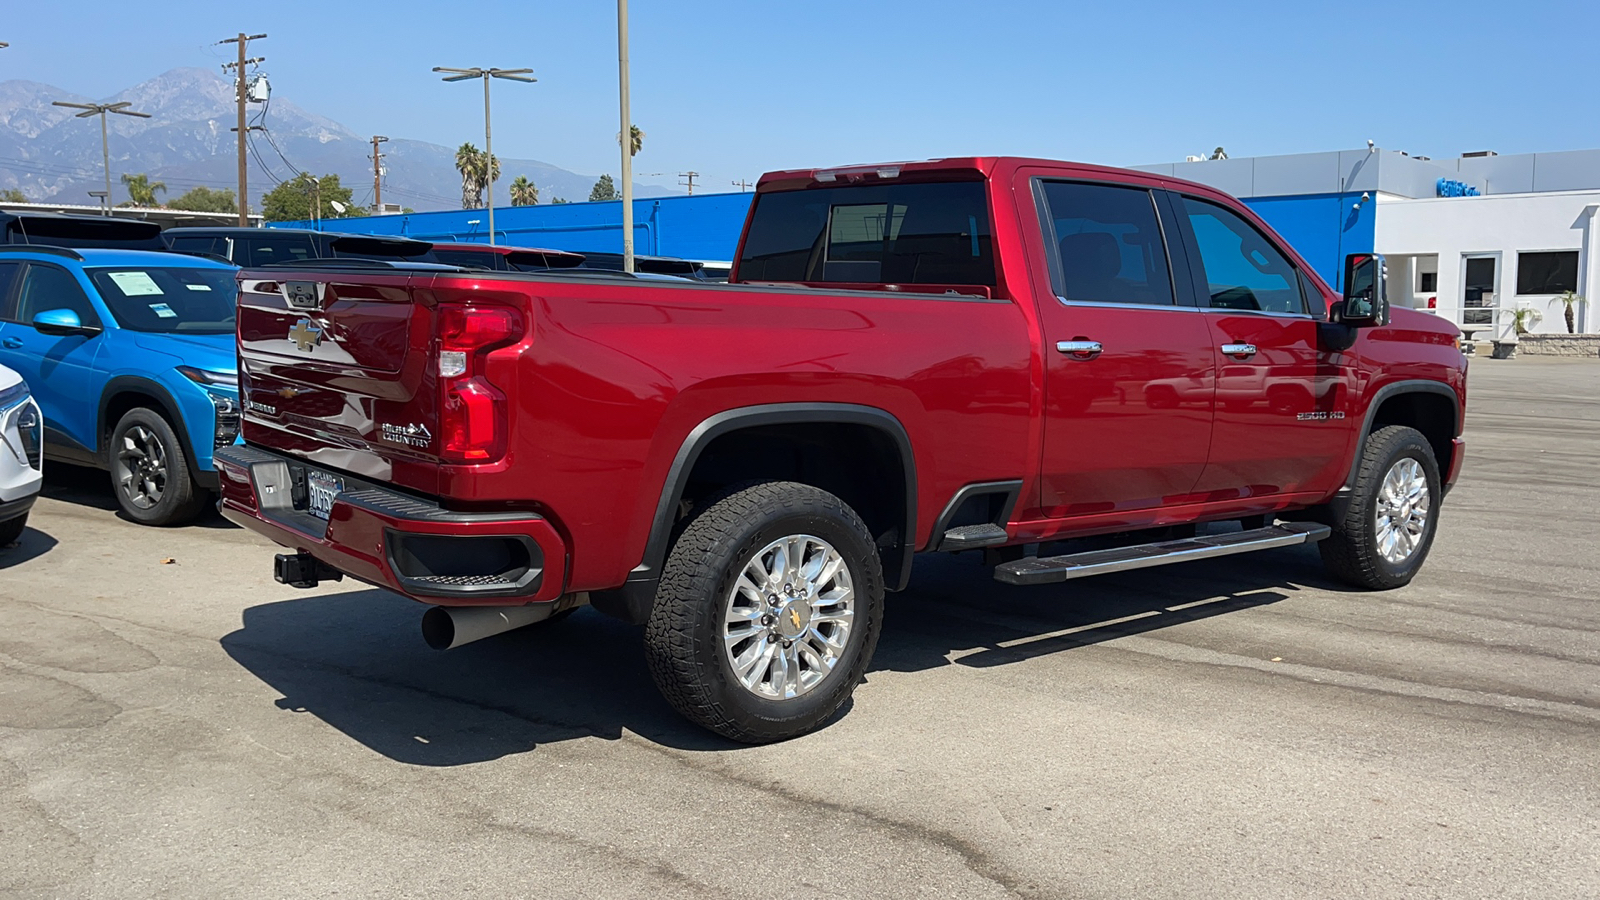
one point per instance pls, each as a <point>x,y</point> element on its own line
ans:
<point>356,660</point>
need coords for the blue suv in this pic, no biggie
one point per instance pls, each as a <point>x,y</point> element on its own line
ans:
<point>130,356</point>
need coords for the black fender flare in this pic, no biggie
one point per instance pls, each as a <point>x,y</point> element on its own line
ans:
<point>167,406</point>
<point>1393,389</point>
<point>633,600</point>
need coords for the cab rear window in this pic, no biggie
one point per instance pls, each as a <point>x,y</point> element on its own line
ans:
<point>872,234</point>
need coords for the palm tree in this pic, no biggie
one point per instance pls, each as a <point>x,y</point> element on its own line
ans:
<point>637,136</point>
<point>1569,300</point>
<point>469,162</point>
<point>493,175</point>
<point>524,192</point>
<point>141,190</point>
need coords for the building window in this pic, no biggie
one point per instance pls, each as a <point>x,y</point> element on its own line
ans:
<point>1428,282</point>
<point>1547,273</point>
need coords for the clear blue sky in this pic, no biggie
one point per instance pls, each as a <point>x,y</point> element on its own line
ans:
<point>731,89</point>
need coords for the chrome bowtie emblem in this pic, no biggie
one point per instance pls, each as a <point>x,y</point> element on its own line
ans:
<point>305,335</point>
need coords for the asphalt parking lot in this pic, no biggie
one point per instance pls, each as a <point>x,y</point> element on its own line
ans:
<point>175,724</point>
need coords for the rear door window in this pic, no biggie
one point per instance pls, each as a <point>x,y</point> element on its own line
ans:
<point>1108,244</point>
<point>46,288</point>
<point>260,251</point>
<point>1243,270</point>
<point>934,233</point>
<point>8,278</point>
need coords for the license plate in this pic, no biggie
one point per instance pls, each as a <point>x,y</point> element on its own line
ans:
<point>322,488</point>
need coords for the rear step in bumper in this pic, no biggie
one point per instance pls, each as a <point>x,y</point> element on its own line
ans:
<point>393,540</point>
<point>1051,569</point>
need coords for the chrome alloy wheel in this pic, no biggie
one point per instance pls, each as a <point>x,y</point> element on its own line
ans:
<point>788,617</point>
<point>142,467</point>
<point>1402,510</point>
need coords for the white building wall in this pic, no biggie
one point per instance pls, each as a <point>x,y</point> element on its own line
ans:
<point>1453,227</point>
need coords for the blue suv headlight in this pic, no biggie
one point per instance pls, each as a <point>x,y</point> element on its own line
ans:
<point>223,390</point>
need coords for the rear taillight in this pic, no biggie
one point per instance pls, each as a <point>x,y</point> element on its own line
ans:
<point>472,412</point>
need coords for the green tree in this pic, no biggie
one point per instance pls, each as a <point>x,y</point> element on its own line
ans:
<point>12,195</point>
<point>558,202</point>
<point>524,192</point>
<point>478,171</point>
<point>637,136</point>
<point>291,200</point>
<point>603,189</point>
<point>467,164</point>
<point>141,190</point>
<point>204,199</point>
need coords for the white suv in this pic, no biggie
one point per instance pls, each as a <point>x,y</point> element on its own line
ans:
<point>21,455</point>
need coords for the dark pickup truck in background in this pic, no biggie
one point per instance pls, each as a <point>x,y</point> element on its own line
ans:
<point>984,354</point>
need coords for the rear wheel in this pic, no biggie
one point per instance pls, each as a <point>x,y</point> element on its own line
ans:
<point>1388,527</point>
<point>150,471</point>
<point>768,612</point>
<point>11,530</point>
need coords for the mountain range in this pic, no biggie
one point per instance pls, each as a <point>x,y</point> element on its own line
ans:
<point>50,155</point>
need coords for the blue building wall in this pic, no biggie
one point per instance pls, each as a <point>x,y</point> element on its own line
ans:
<point>706,226</point>
<point>1322,227</point>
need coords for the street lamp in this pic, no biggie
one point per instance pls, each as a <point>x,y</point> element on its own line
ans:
<point>105,201</point>
<point>488,145</point>
<point>100,109</point>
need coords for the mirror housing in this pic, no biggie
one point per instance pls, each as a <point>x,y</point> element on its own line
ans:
<point>1365,303</point>
<point>62,323</point>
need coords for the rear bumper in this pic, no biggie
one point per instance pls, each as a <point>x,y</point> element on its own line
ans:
<point>397,541</point>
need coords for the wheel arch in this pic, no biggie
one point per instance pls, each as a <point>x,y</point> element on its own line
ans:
<point>764,443</point>
<point>127,392</point>
<point>1431,407</point>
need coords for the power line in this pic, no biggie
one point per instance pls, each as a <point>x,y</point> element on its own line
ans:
<point>691,176</point>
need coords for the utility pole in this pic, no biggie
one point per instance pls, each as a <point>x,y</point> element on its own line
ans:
<point>377,174</point>
<point>488,143</point>
<point>626,139</point>
<point>742,185</point>
<point>100,109</point>
<point>242,95</point>
<point>691,176</point>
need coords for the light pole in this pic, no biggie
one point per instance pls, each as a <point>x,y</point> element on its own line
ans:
<point>627,136</point>
<point>100,109</point>
<point>488,144</point>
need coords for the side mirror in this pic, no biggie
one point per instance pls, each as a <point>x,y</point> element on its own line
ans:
<point>1366,302</point>
<point>62,323</point>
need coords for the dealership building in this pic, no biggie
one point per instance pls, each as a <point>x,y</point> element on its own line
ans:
<point>1466,237</point>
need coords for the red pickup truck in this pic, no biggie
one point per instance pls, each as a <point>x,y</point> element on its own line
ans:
<point>985,354</point>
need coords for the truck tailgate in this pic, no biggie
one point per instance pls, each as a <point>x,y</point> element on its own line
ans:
<point>340,373</point>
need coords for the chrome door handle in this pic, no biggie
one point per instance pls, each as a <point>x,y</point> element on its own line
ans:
<point>1239,351</point>
<point>1079,349</point>
<point>12,343</point>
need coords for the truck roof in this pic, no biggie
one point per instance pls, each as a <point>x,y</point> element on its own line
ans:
<point>974,167</point>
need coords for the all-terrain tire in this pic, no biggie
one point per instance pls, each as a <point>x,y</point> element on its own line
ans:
<point>685,634</point>
<point>169,497</point>
<point>1352,553</point>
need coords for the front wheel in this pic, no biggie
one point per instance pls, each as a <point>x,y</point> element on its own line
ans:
<point>150,471</point>
<point>767,614</point>
<point>1388,527</point>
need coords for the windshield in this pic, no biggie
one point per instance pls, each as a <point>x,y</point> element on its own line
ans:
<point>930,233</point>
<point>169,299</point>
